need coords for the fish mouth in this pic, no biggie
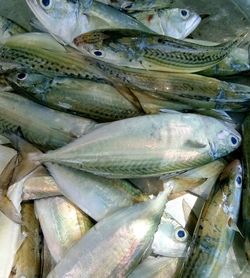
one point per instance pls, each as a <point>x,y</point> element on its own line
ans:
<point>192,25</point>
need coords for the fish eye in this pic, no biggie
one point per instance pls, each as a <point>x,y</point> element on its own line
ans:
<point>238,180</point>
<point>234,140</point>
<point>184,13</point>
<point>181,235</point>
<point>22,76</point>
<point>97,53</point>
<point>46,4</point>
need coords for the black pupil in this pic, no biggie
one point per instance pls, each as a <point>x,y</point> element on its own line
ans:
<point>98,53</point>
<point>46,2</point>
<point>233,140</point>
<point>239,180</point>
<point>181,233</point>
<point>184,12</point>
<point>21,76</point>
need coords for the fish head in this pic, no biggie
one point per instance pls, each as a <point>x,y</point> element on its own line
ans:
<point>171,239</point>
<point>231,183</point>
<point>31,82</point>
<point>64,19</point>
<point>222,137</point>
<point>178,23</point>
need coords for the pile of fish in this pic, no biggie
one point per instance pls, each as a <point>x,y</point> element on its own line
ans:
<point>119,156</point>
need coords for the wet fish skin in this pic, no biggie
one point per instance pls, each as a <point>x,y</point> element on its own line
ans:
<point>9,28</point>
<point>215,229</point>
<point>151,267</point>
<point>96,196</point>
<point>67,19</point>
<point>142,146</point>
<point>41,125</point>
<point>137,49</point>
<point>27,259</point>
<point>246,190</point>
<point>63,225</point>
<point>116,244</point>
<point>176,23</point>
<point>94,100</point>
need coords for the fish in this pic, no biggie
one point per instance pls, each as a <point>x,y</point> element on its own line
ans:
<point>24,52</point>
<point>176,23</point>
<point>36,51</point>
<point>27,259</point>
<point>116,244</point>
<point>9,28</point>
<point>11,238</point>
<point>144,146</point>
<point>47,262</point>
<point>157,90</point>
<point>246,182</point>
<point>155,267</point>
<point>66,20</point>
<point>138,5</point>
<point>101,102</point>
<point>96,196</point>
<point>40,125</point>
<point>142,50</point>
<point>216,227</point>
<point>63,225</point>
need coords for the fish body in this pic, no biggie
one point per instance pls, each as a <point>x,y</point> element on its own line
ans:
<point>27,259</point>
<point>146,146</point>
<point>151,267</point>
<point>215,229</point>
<point>96,196</point>
<point>138,5</point>
<point>116,244</point>
<point>176,23</point>
<point>158,90</point>
<point>137,49</point>
<point>9,28</point>
<point>38,124</point>
<point>94,100</point>
<point>246,190</point>
<point>62,224</point>
<point>67,19</point>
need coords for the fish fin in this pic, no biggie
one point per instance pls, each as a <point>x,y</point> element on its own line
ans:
<point>129,95</point>
<point>25,164</point>
<point>169,176</point>
<point>195,144</point>
<point>186,183</point>
<point>203,194</point>
<point>8,209</point>
<point>189,216</point>
<point>218,114</point>
<point>7,174</point>
<point>232,225</point>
